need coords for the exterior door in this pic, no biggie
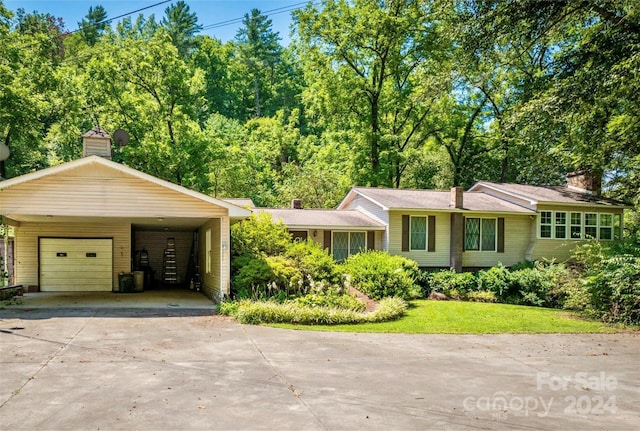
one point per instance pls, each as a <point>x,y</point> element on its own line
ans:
<point>68,265</point>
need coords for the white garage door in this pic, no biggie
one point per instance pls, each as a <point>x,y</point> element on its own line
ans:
<point>76,264</point>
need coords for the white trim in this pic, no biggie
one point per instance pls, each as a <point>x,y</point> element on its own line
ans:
<point>349,198</point>
<point>426,233</point>
<point>495,243</point>
<point>349,232</point>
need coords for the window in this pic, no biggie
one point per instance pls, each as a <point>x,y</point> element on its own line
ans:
<point>591,225</point>
<point>561,225</point>
<point>545,224</point>
<point>617,226</point>
<point>299,235</point>
<point>576,225</point>
<point>606,226</point>
<point>347,243</point>
<point>418,233</point>
<point>480,234</point>
<point>207,250</point>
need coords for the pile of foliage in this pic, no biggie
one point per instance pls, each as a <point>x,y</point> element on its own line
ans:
<point>604,282</point>
<point>298,312</point>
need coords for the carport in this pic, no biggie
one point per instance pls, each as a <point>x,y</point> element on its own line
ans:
<point>81,225</point>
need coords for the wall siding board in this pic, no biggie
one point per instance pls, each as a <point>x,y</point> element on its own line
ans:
<point>516,241</point>
<point>439,258</point>
<point>104,197</point>
<point>369,208</point>
<point>26,245</point>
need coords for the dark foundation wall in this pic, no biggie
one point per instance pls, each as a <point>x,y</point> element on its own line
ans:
<point>155,244</point>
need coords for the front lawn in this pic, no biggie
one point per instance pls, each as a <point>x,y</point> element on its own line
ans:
<point>458,317</point>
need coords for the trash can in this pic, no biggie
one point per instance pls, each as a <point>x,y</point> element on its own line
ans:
<point>138,281</point>
<point>125,281</point>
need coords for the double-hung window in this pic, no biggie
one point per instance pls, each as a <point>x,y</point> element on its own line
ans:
<point>576,225</point>
<point>480,234</point>
<point>591,225</point>
<point>546,223</point>
<point>561,225</point>
<point>606,226</point>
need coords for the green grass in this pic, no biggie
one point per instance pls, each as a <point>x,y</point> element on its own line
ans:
<point>457,317</point>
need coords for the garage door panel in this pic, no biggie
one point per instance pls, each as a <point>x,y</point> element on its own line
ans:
<point>76,264</point>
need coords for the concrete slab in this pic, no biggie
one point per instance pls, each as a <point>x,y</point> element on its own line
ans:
<point>162,370</point>
<point>150,299</point>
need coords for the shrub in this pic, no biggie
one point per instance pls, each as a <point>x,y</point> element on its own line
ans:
<point>264,277</point>
<point>315,263</point>
<point>455,285</point>
<point>482,296</point>
<point>331,298</point>
<point>496,280</point>
<point>612,279</point>
<point>378,274</point>
<point>259,235</point>
<point>255,312</point>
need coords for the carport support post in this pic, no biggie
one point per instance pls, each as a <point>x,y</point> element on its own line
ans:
<point>4,271</point>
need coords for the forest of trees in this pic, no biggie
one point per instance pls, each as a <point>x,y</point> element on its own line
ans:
<point>393,93</point>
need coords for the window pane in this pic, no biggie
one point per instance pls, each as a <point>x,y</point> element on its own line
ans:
<point>545,217</point>
<point>472,234</point>
<point>606,219</point>
<point>576,218</point>
<point>545,231</point>
<point>590,232</point>
<point>545,224</point>
<point>489,234</point>
<point>561,218</point>
<point>340,245</point>
<point>617,226</point>
<point>418,233</point>
<point>590,225</point>
<point>357,243</point>
<point>591,219</point>
<point>606,233</point>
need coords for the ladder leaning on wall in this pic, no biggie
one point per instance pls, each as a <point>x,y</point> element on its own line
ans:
<point>169,266</point>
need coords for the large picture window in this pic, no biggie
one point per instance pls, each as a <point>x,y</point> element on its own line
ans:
<point>480,234</point>
<point>347,243</point>
<point>418,233</point>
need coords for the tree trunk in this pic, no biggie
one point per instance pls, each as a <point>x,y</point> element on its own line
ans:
<point>375,132</point>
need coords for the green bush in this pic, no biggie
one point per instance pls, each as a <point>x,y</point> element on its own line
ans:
<point>482,296</point>
<point>331,298</point>
<point>379,275</point>
<point>259,235</point>
<point>255,312</point>
<point>315,263</point>
<point>496,280</point>
<point>455,285</point>
<point>265,277</point>
<point>612,280</point>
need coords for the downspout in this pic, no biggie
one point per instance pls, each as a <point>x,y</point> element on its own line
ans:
<point>533,237</point>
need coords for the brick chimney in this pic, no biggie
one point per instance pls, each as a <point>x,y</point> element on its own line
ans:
<point>296,204</point>
<point>585,181</point>
<point>96,142</point>
<point>456,197</point>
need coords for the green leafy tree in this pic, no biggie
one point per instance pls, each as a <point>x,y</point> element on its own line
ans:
<point>381,78</point>
<point>93,25</point>
<point>182,25</point>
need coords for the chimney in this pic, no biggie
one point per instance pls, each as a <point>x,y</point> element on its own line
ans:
<point>296,204</point>
<point>96,142</point>
<point>585,181</point>
<point>456,197</point>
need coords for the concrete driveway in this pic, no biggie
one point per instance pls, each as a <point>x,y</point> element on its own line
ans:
<point>109,369</point>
